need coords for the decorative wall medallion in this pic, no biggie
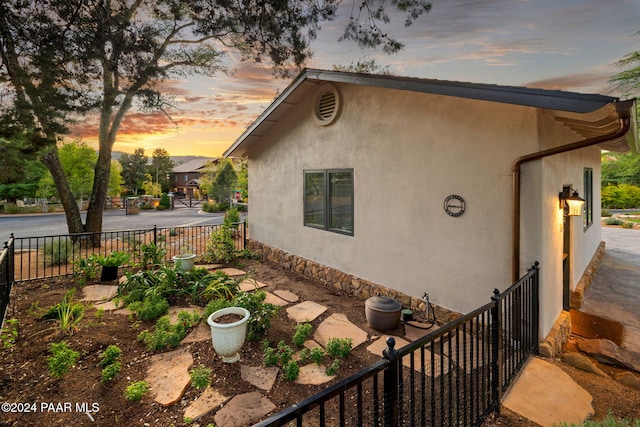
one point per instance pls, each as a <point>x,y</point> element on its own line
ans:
<point>454,205</point>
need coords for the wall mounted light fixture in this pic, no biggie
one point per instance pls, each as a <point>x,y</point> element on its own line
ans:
<point>572,201</point>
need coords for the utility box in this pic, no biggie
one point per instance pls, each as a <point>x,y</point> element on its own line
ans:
<point>133,206</point>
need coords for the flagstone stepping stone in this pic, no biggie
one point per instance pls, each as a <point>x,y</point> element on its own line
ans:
<point>378,346</point>
<point>209,400</point>
<point>174,311</point>
<point>275,300</point>
<point>286,295</point>
<point>306,311</point>
<point>248,285</point>
<point>99,293</point>
<point>106,306</point>
<point>124,311</point>
<point>200,333</point>
<point>259,376</point>
<point>414,330</point>
<point>313,374</point>
<point>230,271</point>
<point>243,410</point>
<point>338,326</point>
<point>168,375</point>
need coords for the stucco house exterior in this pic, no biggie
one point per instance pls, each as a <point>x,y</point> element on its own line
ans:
<point>418,185</point>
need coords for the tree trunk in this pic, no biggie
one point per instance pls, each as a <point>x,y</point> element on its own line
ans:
<point>98,198</point>
<point>74,221</point>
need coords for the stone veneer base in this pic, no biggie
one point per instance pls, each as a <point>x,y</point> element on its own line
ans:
<point>353,285</point>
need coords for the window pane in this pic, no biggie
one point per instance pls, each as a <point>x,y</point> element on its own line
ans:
<point>314,198</point>
<point>341,201</point>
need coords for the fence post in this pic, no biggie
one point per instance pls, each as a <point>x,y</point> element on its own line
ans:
<point>155,235</point>
<point>391,384</point>
<point>496,345</point>
<point>244,234</point>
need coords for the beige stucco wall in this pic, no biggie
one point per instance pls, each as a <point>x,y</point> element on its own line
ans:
<point>409,151</point>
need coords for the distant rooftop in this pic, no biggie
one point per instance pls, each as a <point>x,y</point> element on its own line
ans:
<point>192,165</point>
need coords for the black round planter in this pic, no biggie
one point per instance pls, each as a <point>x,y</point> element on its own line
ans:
<point>109,273</point>
<point>382,313</point>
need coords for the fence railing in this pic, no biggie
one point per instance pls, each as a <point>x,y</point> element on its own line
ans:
<point>52,256</point>
<point>454,375</point>
<point>6,277</point>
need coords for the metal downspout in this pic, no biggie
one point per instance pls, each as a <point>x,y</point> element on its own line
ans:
<point>625,124</point>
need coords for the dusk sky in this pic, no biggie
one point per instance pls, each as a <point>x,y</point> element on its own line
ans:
<point>552,44</point>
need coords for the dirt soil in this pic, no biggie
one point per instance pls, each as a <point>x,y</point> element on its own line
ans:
<point>24,377</point>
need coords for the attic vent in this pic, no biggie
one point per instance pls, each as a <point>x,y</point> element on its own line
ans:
<point>327,105</point>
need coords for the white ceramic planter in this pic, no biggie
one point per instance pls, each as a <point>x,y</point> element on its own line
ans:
<point>184,261</point>
<point>228,338</point>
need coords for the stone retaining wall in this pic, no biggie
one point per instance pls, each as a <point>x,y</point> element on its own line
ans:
<point>353,285</point>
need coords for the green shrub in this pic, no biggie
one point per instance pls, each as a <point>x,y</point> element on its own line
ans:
<point>85,269</point>
<point>261,313</point>
<point>167,335</point>
<point>165,202</point>
<point>110,355</point>
<point>291,370</point>
<point>621,196</point>
<point>628,225</point>
<point>58,252</point>
<point>605,213</point>
<point>151,255</point>
<point>613,221</point>
<point>150,308</point>
<point>62,359</point>
<point>303,330</point>
<point>110,372</point>
<point>316,354</point>
<point>333,368</point>
<point>136,390</point>
<point>200,377</point>
<point>339,347</point>
<point>220,246</point>
<point>231,218</point>
<point>209,207</point>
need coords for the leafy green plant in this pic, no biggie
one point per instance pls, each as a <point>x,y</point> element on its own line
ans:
<point>339,347</point>
<point>261,313</point>
<point>62,359</point>
<point>151,255</point>
<point>9,333</point>
<point>303,330</point>
<point>333,368</point>
<point>58,252</point>
<point>316,354</point>
<point>220,246</point>
<point>68,313</point>
<point>200,377</point>
<point>291,370</point>
<point>114,259</point>
<point>627,225</point>
<point>167,335</point>
<point>231,218</point>
<point>165,202</point>
<point>136,390</point>
<point>150,308</point>
<point>85,269</point>
<point>110,355</point>
<point>110,372</point>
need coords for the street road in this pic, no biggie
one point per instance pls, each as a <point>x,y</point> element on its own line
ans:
<point>34,225</point>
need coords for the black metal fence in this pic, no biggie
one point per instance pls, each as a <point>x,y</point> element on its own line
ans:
<point>454,375</point>
<point>6,277</point>
<point>52,256</point>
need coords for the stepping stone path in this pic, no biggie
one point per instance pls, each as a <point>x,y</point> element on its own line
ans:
<point>99,293</point>
<point>209,400</point>
<point>168,375</point>
<point>380,345</point>
<point>338,326</point>
<point>243,410</point>
<point>260,376</point>
<point>306,311</point>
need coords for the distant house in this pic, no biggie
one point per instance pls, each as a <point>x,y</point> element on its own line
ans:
<point>419,185</point>
<point>185,178</point>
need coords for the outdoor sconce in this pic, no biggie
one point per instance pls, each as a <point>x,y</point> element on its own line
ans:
<point>573,202</point>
